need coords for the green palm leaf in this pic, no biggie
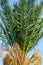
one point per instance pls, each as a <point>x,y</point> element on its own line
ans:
<point>22,23</point>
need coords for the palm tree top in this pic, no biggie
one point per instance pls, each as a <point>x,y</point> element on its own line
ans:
<point>21,24</point>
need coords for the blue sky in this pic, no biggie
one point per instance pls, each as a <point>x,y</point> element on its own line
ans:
<point>39,46</point>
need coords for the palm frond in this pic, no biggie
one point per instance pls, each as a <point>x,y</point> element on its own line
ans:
<point>22,24</point>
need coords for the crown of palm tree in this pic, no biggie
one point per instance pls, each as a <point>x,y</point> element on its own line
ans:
<point>21,24</point>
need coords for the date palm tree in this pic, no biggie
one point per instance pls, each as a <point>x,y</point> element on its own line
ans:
<point>21,25</point>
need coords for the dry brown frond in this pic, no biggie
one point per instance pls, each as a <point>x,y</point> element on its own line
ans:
<point>17,57</point>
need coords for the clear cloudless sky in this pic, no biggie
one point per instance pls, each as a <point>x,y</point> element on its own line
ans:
<point>39,46</point>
